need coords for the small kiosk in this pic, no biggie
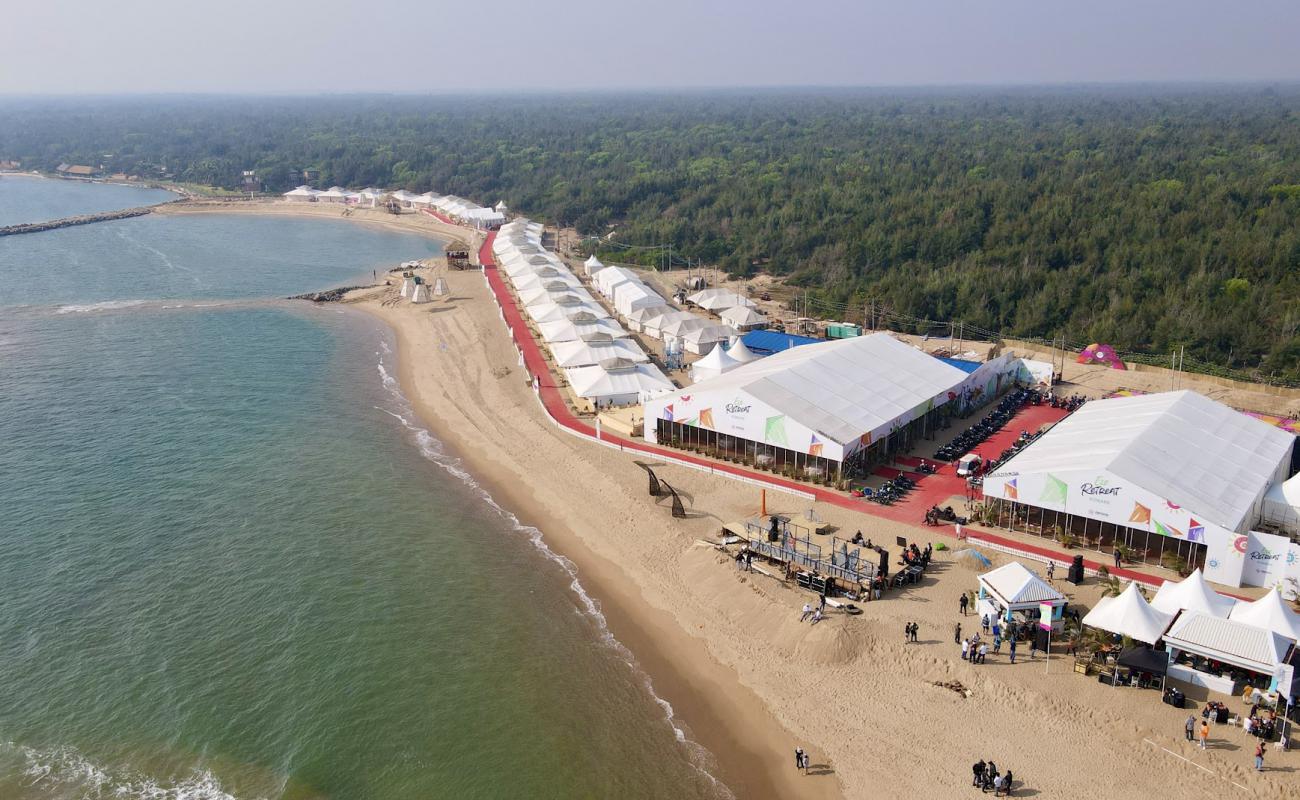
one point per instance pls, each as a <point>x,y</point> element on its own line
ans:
<point>1014,594</point>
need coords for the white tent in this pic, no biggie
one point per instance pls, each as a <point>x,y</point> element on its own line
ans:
<point>740,352</point>
<point>334,194</point>
<point>704,340</point>
<point>585,352</point>
<point>743,318</point>
<point>1192,594</point>
<point>678,328</point>
<point>571,330</point>
<point>719,299</point>
<point>554,283</point>
<point>629,297</point>
<point>713,364</point>
<point>550,312</point>
<point>1129,615</point>
<point>420,294</point>
<point>637,319</point>
<point>592,265</point>
<point>302,194</point>
<point>440,287</point>
<point>1271,612</point>
<point>1014,588</point>
<point>1282,505</point>
<point>608,279</point>
<point>408,287</point>
<point>564,295</point>
<point>1232,642</point>
<point>654,326</point>
<point>617,382</point>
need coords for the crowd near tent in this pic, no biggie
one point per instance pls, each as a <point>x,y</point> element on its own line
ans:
<point>1168,473</point>
<point>1129,615</point>
<point>1013,588</point>
<point>826,405</point>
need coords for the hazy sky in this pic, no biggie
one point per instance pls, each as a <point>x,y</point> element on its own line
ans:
<point>111,46</point>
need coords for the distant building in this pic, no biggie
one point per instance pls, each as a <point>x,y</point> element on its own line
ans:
<point>310,176</point>
<point>250,182</point>
<point>10,164</point>
<point>77,170</point>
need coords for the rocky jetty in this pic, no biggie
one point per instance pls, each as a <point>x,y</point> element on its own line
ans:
<point>327,296</point>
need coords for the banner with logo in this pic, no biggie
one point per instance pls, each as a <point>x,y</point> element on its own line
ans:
<point>1045,616</point>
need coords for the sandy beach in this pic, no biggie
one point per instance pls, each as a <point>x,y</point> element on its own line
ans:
<point>726,649</point>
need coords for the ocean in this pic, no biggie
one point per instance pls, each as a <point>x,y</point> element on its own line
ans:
<point>234,565</point>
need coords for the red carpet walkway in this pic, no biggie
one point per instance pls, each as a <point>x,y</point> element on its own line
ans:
<point>910,510</point>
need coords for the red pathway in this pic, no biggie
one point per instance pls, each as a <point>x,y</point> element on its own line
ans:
<point>911,509</point>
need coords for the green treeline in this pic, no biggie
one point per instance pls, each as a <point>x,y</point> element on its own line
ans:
<point>1148,218</point>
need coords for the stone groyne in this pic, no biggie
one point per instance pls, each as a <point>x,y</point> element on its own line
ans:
<point>68,222</point>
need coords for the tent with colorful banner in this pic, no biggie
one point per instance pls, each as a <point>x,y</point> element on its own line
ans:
<point>1170,474</point>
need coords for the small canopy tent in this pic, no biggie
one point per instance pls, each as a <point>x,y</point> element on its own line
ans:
<point>421,293</point>
<point>408,287</point>
<point>1145,659</point>
<point>713,364</point>
<point>1228,641</point>
<point>592,265</point>
<point>1014,588</point>
<point>743,318</point>
<point>1282,505</point>
<point>1129,615</point>
<point>1269,612</point>
<point>1192,594</point>
<point>740,352</point>
<point>440,287</point>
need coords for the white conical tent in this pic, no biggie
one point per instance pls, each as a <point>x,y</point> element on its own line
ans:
<point>741,353</point>
<point>593,265</point>
<point>1282,504</point>
<point>440,287</point>
<point>1270,612</point>
<point>420,294</point>
<point>408,286</point>
<point>715,363</point>
<point>1129,615</point>
<point>1192,594</point>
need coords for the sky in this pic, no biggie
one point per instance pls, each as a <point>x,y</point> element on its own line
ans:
<point>432,46</point>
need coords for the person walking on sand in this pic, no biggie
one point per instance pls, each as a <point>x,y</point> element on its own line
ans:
<point>1205,733</point>
<point>984,652</point>
<point>965,649</point>
<point>1013,651</point>
<point>807,612</point>
<point>963,602</point>
<point>1117,558</point>
<point>916,631</point>
<point>1259,756</point>
<point>1051,571</point>
<point>798,758</point>
<point>1189,727</point>
<point>956,636</point>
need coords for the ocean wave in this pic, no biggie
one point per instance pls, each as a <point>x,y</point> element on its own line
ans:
<point>68,771</point>
<point>434,450</point>
<point>107,305</point>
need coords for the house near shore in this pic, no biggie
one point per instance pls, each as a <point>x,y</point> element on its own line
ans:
<point>10,165</point>
<point>77,171</point>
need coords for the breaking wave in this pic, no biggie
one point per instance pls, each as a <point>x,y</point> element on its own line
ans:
<point>63,771</point>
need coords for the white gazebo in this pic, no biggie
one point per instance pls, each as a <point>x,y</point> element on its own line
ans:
<point>1271,612</point>
<point>1012,588</point>
<point>1248,647</point>
<point>592,265</point>
<point>713,364</point>
<point>1192,593</point>
<point>1129,615</point>
<point>740,352</point>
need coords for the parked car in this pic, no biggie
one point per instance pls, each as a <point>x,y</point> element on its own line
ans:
<point>968,465</point>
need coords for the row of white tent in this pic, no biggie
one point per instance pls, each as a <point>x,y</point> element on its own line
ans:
<point>1191,617</point>
<point>646,311</point>
<point>735,310</point>
<point>599,359</point>
<point>456,208</point>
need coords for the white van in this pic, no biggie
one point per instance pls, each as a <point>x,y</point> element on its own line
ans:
<point>967,465</point>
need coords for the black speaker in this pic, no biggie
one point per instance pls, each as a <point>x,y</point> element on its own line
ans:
<point>1076,571</point>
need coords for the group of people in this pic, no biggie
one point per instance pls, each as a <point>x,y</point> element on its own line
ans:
<point>814,614</point>
<point>986,777</point>
<point>975,650</point>
<point>915,556</point>
<point>910,631</point>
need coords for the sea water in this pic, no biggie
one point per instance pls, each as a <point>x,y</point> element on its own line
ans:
<point>233,564</point>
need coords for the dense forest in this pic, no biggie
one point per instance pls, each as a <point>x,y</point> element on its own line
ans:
<point>1152,218</point>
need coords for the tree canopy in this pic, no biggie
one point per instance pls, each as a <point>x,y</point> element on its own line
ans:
<point>1148,218</point>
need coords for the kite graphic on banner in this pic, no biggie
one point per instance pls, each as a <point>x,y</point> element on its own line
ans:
<point>1054,490</point>
<point>668,412</point>
<point>706,418</point>
<point>815,446</point>
<point>1168,531</point>
<point>1141,514</point>
<point>1010,491</point>
<point>1195,531</point>
<point>774,430</point>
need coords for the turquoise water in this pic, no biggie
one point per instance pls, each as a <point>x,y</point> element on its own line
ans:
<point>24,198</point>
<point>233,565</point>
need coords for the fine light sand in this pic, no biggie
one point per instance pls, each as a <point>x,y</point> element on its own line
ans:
<point>726,649</point>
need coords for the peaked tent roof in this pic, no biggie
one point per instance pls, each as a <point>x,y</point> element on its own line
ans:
<point>1014,585</point>
<point>582,353</point>
<point>715,363</point>
<point>1129,615</point>
<point>1186,448</point>
<point>743,316</point>
<point>1192,594</point>
<point>1246,646</point>
<point>1271,612</point>
<point>846,388</point>
<point>741,352</point>
<point>616,380</point>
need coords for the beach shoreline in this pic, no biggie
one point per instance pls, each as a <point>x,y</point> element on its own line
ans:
<point>724,648</point>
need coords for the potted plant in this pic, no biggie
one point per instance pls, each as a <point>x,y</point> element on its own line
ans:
<point>1175,563</point>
